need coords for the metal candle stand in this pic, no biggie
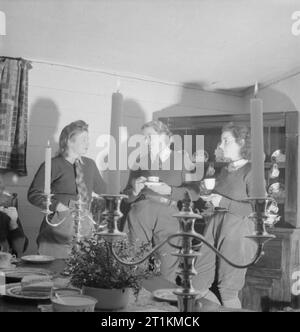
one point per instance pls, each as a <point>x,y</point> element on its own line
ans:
<point>78,212</point>
<point>48,212</point>
<point>186,253</point>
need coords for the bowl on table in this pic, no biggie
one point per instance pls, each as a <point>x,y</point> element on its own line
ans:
<point>73,303</point>
<point>65,291</point>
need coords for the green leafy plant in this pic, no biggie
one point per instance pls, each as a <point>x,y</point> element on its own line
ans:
<point>92,264</point>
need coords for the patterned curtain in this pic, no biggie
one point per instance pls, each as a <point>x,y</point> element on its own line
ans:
<point>13,114</point>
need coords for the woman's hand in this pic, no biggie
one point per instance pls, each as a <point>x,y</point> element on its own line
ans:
<point>11,212</point>
<point>214,199</point>
<point>138,185</point>
<point>13,215</point>
<point>162,188</point>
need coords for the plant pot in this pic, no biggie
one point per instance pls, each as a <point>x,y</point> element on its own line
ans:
<point>109,299</point>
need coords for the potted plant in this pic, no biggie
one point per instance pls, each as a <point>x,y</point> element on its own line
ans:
<point>93,268</point>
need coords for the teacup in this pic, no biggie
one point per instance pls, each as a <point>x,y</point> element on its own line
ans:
<point>5,260</point>
<point>209,183</point>
<point>200,156</point>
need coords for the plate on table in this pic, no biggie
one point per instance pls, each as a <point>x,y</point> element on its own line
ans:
<point>8,268</point>
<point>205,197</point>
<point>37,259</point>
<point>15,291</point>
<point>165,295</point>
<point>19,273</point>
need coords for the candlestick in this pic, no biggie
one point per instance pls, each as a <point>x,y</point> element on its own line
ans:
<point>114,175</point>
<point>2,24</point>
<point>257,147</point>
<point>48,150</point>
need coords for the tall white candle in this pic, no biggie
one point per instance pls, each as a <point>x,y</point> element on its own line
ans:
<point>257,147</point>
<point>114,176</point>
<point>48,151</point>
<point>2,24</point>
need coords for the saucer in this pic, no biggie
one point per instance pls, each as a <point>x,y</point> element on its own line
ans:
<point>148,183</point>
<point>205,197</point>
<point>165,295</point>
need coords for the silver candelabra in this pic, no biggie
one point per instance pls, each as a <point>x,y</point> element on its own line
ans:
<point>186,251</point>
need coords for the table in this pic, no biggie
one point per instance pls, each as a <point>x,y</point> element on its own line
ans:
<point>13,305</point>
<point>56,267</point>
<point>145,300</point>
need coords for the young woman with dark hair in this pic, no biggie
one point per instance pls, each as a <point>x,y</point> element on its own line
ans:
<point>227,230</point>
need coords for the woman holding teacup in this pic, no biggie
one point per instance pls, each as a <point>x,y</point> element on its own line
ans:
<point>154,188</point>
<point>227,230</point>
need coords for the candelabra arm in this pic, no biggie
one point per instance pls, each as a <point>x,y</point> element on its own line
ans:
<point>142,259</point>
<point>258,254</point>
<point>53,224</point>
<point>47,211</point>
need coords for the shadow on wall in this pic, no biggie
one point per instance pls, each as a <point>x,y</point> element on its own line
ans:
<point>43,123</point>
<point>187,102</point>
<point>134,116</point>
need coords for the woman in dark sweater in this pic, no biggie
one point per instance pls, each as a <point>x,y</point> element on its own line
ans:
<point>73,144</point>
<point>227,230</point>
